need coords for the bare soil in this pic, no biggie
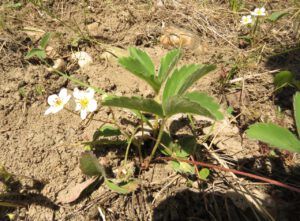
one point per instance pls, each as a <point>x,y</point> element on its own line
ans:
<point>47,148</point>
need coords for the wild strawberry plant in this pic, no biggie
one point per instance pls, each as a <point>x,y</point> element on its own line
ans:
<point>172,96</point>
<point>173,85</point>
<point>256,17</point>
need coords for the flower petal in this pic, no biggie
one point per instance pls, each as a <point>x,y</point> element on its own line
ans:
<point>66,99</point>
<point>77,107</point>
<point>92,106</point>
<point>57,109</point>
<point>52,99</point>
<point>49,110</point>
<point>83,114</point>
<point>90,92</point>
<point>77,93</point>
<point>63,93</point>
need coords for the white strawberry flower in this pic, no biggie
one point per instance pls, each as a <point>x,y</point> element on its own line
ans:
<point>246,20</point>
<point>57,102</point>
<point>259,12</point>
<point>82,58</point>
<point>85,101</point>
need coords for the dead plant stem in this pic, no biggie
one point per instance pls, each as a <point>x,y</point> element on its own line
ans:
<point>216,167</point>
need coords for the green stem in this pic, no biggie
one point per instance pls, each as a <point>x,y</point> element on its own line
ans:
<point>192,122</point>
<point>160,133</point>
<point>128,145</point>
<point>75,80</point>
<point>255,27</point>
<point>140,152</point>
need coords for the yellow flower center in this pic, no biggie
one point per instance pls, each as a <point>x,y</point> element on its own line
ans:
<point>84,103</point>
<point>58,102</point>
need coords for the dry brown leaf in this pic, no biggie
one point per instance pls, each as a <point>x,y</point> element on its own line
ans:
<point>72,194</point>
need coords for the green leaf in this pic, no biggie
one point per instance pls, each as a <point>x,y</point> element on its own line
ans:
<point>88,147</point>
<point>166,141</point>
<point>90,165</point>
<point>178,104</point>
<point>36,52</point>
<point>167,63</point>
<point>11,216</point>
<point>186,146</point>
<point>283,79</point>
<point>297,111</point>
<point>236,5</point>
<point>204,173</point>
<point>13,5</point>
<point>206,102</point>
<point>123,188</point>
<point>182,167</point>
<point>136,103</point>
<point>140,64</point>
<point>106,131</point>
<point>296,83</point>
<point>183,78</point>
<point>144,59</point>
<point>4,175</point>
<point>75,42</point>
<point>45,39</point>
<point>183,148</point>
<point>274,135</point>
<point>275,16</point>
<point>229,110</point>
<point>246,38</point>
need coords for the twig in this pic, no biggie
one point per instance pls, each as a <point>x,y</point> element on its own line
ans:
<point>101,214</point>
<point>243,191</point>
<point>165,187</point>
<point>252,76</point>
<point>215,167</point>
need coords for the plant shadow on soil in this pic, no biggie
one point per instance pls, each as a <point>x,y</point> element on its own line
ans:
<point>188,205</point>
<point>286,201</point>
<point>193,206</point>
<point>16,195</point>
<point>282,204</point>
<point>288,60</point>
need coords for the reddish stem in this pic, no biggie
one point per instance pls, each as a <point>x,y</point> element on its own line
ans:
<point>215,167</point>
